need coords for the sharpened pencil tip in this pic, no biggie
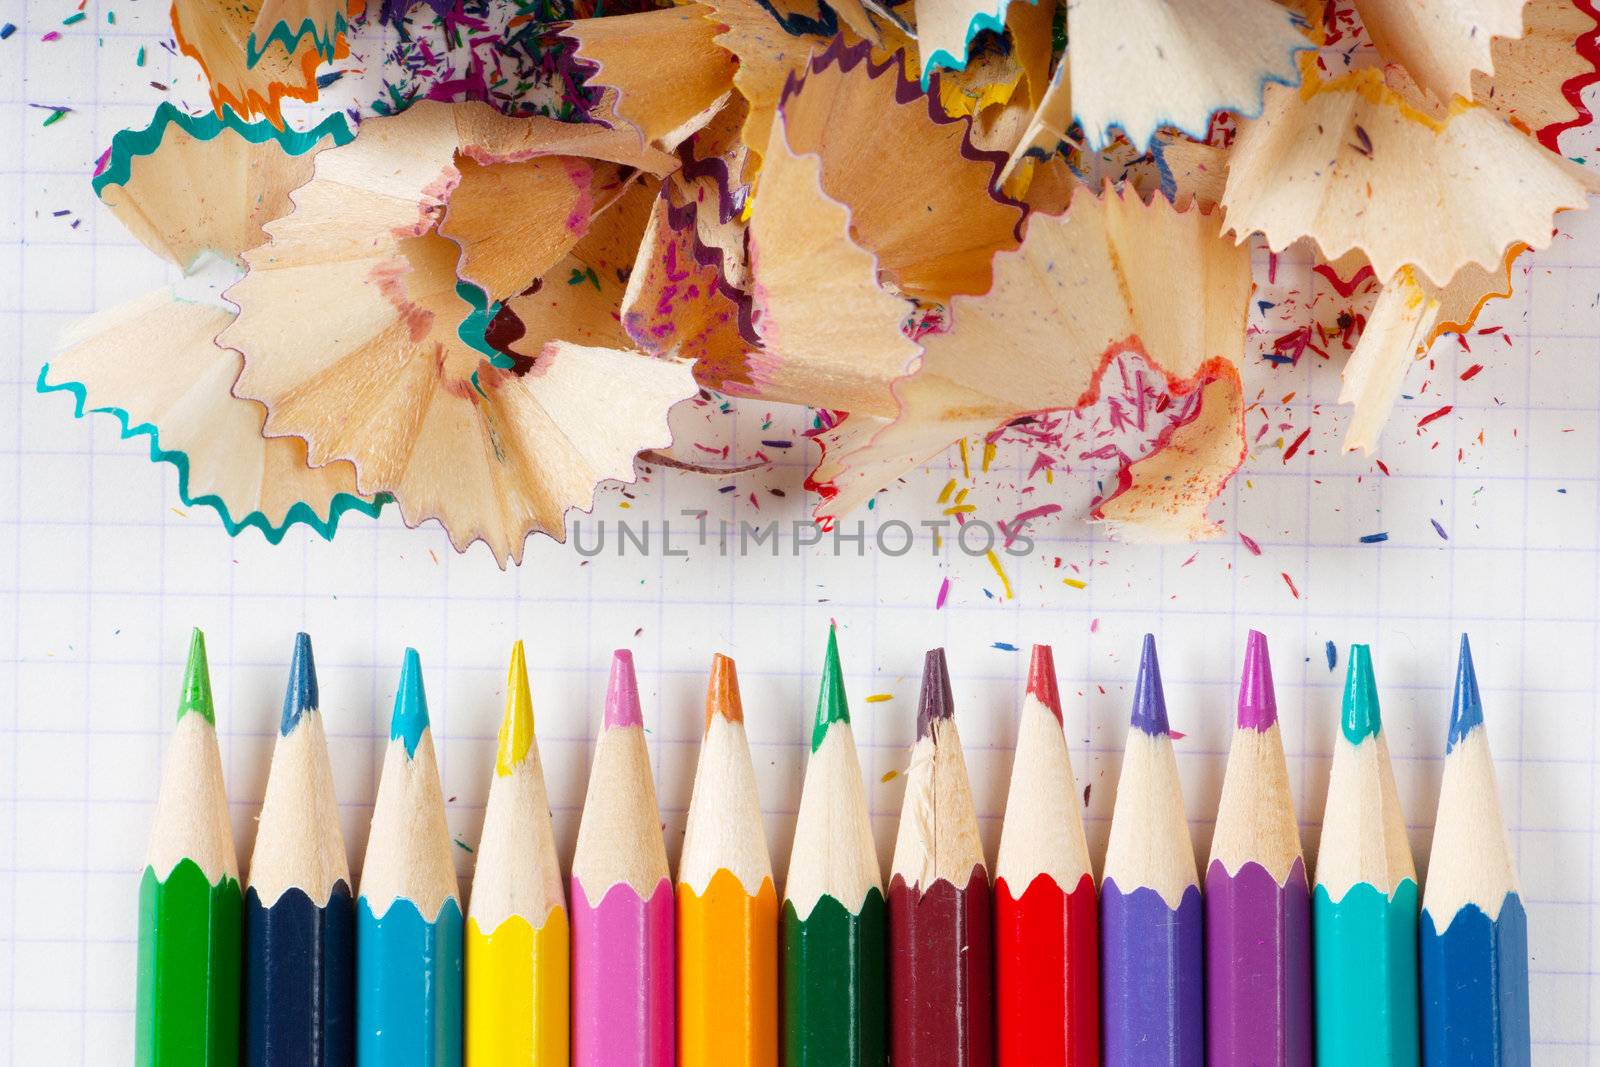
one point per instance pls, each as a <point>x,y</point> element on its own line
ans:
<point>516,725</point>
<point>832,703</point>
<point>301,696</point>
<point>622,692</point>
<point>1466,710</point>
<point>410,715</point>
<point>1258,702</point>
<point>936,701</point>
<point>197,682</point>
<point>722,691</point>
<point>1042,679</point>
<point>1149,698</point>
<point>1359,717</point>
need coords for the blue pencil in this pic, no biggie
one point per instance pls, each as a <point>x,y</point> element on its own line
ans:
<point>299,921</point>
<point>1474,930</point>
<point>408,920</point>
<point>1152,973</point>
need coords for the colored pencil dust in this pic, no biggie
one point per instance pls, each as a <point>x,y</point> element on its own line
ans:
<point>623,966</point>
<point>1474,929</point>
<point>1364,916</point>
<point>517,955</point>
<point>1151,916</point>
<point>1046,946</point>
<point>727,904</point>
<point>940,955</point>
<point>408,918</point>
<point>299,922</point>
<point>834,991</point>
<point>187,1003</point>
<point>1258,905</point>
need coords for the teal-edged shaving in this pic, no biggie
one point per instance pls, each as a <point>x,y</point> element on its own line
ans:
<point>983,20</point>
<point>126,145</point>
<point>300,514</point>
<point>325,41</point>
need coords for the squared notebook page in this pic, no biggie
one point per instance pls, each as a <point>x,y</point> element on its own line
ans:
<point>1492,513</point>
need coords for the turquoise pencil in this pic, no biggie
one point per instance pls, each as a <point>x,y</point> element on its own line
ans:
<point>408,920</point>
<point>1364,907</point>
<point>1474,931</point>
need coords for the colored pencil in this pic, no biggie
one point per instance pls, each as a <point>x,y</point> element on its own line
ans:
<point>1258,905</point>
<point>623,966</point>
<point>1046,951</point>
<point>940,933</point>
<point>727,904</point>
<point>408,918</point>
<point>189,900</point>
<point>299,923</point>
<point>1364,906</point>
<point>1151,915</point>
<point>517,937</point>
<point>1474,929</point>
<point>834,979</point>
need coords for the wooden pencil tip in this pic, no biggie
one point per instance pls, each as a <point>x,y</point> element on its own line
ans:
<point>1149,697</point>
<point>1359,718</point>
<point>936,701</point>
<point>301,696</point>
<point>516,725</point>
<point>197,682</point>
<point>1042,679</point>
<point>410,715</point>
<point>832,703</point>
<point>722,691</point>
<point>1258,702</point>
<point>622,692</point>
<point>1466,710</point>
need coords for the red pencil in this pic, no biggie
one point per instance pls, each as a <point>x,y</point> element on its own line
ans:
<point>1046,947</point>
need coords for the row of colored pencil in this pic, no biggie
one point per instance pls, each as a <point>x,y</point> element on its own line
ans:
<point>621,966</point>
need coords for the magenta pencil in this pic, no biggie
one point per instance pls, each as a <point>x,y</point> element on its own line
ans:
<point>1258,903</point>
<point>624,970</point>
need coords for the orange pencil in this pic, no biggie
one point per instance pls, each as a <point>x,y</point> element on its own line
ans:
<point>727,905</point>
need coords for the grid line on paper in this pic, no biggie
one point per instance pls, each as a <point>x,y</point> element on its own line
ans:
<point>105,578</point>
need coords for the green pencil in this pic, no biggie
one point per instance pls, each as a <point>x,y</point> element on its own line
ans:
<point>189,899</point>
<point>834,977</point>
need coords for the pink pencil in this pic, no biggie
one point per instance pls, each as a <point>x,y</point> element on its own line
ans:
<point>624,1006</point>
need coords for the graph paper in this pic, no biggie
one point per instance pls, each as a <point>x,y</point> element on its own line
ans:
<point>1491,511</point>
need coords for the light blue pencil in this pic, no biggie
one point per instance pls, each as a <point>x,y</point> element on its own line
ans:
<point>408,920</point>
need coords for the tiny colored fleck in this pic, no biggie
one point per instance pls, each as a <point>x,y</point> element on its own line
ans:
<point>1332,652</point>
<point>7,30</point>
<point>1250,544</point>
<point>879,698</point>
<point>1441,413</point>
<point>1439,530</point>
<point>889,776</point>
<point>1288,581</point>
<point>944,592</point>
<point>1004,646</point>
<point>74,19</point>
<point>1374,538</point>
<point>1076,583</point>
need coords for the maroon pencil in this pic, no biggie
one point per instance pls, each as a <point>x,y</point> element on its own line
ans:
<point>941,999</point>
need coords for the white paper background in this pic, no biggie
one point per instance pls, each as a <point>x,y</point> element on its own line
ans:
<point>102,572</point>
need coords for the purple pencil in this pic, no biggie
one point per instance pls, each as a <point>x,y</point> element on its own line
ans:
<point>1258,903</point>
<point>1152,969</point>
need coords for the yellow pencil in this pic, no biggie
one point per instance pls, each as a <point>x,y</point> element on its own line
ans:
<point>517,940</point>
<point>727,905</point>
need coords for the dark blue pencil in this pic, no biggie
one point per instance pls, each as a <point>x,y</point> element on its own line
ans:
<point>1474,929</point>
<point>299,943</point>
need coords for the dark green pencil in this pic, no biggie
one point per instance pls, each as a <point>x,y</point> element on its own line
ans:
<point>834,977</point>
